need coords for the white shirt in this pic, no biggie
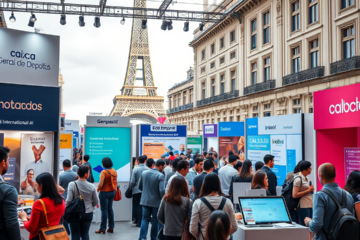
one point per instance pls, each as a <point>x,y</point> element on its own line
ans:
<point>39,167</point>
<point>225,175</point>
<point>169,182</point>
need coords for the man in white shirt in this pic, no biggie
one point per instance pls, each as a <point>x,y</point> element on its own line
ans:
<point>38,165</point>
<point>226,173</point>
<point>183,167</point>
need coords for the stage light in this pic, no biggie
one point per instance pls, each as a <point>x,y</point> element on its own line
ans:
<point>169,25</point>
<point>122,21</point>
<point>12,18</point>
<point>63,19</point>
<point>201,26</point>
<point>164,25</point>
<point>81,21</point>
<point>143,24</point>
<point>97,22</point>
<point>186,26</point>
<point>32,20</point>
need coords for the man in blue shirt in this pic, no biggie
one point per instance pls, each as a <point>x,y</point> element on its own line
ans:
<point>320,223</point>
<point>199,179</point>
<point>272,179</point>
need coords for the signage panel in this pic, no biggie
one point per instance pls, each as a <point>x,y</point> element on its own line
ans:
<point>210,130</point>
<point>352,160</point>
<point>114,121</point>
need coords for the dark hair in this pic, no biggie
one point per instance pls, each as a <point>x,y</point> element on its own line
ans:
<point>81,158</point>
<point>258,180</point>
<point>328,171</point>
<point>258,165</point>
<point>183,164</point>
<point>211,183</point>
<point>141,159</point>
<point>198,160</point>
<point>209,158</point>
<point>233,158</point>
<point>67,163</point>
<point>171,153</point>
<point>82,170</point>
<point>178,188</point>
<point>208,164</point>
<point>238,165</point>
<point>218,227</point>
<point>188,156</point>
<point>145,157</point>
<point>353,182</point>
<point>49,187</point>
<point>205,154</point>
<point>215,155</point>
<point>107,163</point>
<point>150,162</point>
<point>86,158</point>
<point>297,167</point>
<point>268,158</point>
<point>304,165</point>
<point>134,160</point>
<point>167,161</point>
<point>245,170</point>
<point>176,161</point>
<point>4,151</point>
<point>210,154</point>
<point>231,153</point>
<point>160,163</point>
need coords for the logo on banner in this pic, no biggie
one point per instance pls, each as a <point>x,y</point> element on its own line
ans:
<point>270,127</point>
<point>225,129</point>
<point>209,129</point>
<point>163,128</point>
<point>278,141</point>
<point>345,107</point>
<point>252,126</point>
<point>21,106</point>
<point>39,140</point>
<point>106,122</point>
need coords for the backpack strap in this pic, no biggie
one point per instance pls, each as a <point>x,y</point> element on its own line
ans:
<point>109,173</point>
<point>343,203</point>
<point>77,188</point>
<point>207,204</point>
<point>331,195</point>
<point>44,207</point>
<point>222,204</point>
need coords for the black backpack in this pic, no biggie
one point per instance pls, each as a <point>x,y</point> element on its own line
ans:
<point>288,195</point>
<point>344,226</point>
<point>76,209</point>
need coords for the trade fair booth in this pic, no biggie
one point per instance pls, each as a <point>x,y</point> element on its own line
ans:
<point>74,127</point>
<point>232,137</point>
<point>210,137</point>
<point>66,150</point>
<point>337,125</point>
<point>194,143</point>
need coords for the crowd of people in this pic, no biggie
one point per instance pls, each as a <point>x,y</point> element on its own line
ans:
<point>183,196</point>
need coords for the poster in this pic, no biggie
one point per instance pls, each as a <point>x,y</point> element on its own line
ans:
<point>162,139</point>
<point>1,139</point>
<point>352,160</point>
<point>115,143</point>
<point>231,138</point>
<point>12,141</point>
<point>65,149</point>
<point>280,136</point>
<point>195,143</point>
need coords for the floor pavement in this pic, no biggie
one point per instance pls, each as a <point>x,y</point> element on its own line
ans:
<point>122,231</point>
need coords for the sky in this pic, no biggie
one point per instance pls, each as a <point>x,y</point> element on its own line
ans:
<point>93,61</point>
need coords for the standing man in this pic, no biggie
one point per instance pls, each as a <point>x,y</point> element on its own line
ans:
<point>152,185</point>
<point>174,167</point>
<point>135,177</point>
<point>215,156</point>
<point>226,173</point>
<point>168,168</point>
<point>64,179</point>
<point>9,224</point>
<point>183,167</point>
<point>86,163</point>
<point>269,164</point>
<point>199,179</point>
<point>193,172</point>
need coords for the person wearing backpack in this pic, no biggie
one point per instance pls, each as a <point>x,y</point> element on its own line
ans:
<point>80,226</point>
<point>211,199</point>
<point>333,209</point>
<point>353,187</point>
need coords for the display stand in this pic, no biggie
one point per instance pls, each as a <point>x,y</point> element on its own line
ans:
<point>210,137</point>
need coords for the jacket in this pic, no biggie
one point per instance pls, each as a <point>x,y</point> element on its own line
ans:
<point>272,180</point>
<point>135,177</point>
<point>190,178</point>
<point>91,176</point>
<point>9,224</point>
<point>152,185</point>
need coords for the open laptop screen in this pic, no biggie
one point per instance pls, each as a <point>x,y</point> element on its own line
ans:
<point>264,210</point>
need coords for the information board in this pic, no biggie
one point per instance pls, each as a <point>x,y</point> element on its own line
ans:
<point>195,143</point>
<point>352,160</point>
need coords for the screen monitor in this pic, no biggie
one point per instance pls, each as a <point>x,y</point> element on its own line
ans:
<point>264,210</point>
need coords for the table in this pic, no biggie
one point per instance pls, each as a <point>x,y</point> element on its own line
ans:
<point>271,233</point>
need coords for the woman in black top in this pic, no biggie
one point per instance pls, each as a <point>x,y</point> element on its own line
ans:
<point>353,187</point>
<point>260,181</point>
<point>245,174</point>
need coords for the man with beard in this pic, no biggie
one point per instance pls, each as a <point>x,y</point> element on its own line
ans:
<point>9,225</point>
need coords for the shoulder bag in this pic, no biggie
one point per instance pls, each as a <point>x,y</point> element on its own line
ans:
<point>117,191</point>
<point>186,235</point>
<point>76,209</point>
<point>57,232</point>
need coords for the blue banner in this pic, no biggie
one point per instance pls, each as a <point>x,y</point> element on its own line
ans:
<point>261,143</point>
<point>252,126</point>
<point>151,131</point>
<point>1,139</point>
<point>231,129</point>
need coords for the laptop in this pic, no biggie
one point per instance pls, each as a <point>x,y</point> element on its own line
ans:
<point>264,211</point>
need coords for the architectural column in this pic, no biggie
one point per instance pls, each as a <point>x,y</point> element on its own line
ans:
<point>279,57</point>
<point>241,69</point>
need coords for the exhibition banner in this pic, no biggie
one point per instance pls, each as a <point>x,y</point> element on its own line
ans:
<point>37,156</point>
<point>29,58</point>
<point>352,160</point>
<point>12,140</point>
<point>210,130</point>
<point>29,108</point>
<point>280,136</point>
<point>194,143</point>
<point>65,148</point>
<point>162,139</point>
<point>115,143</point>
<point>231,138</point>
<point>1,139</point>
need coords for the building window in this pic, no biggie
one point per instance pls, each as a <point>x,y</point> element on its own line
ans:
<point>222,60</point>
<point>349,42</point>
<point>191,95</point>
<point>255,115</point>
<point>222,84</point>
<point>222,43</point>
<point>231,119</point>
<point>238,118</point>
<point>212,65</point>
<point>313,11</point>
<point>203,90</point>
<point>232,55</point>
<point>179,100</point>
<point>346,3</point>
<point>311,99</point>
<point>266,28</point>
<point>267,106</point>
<point>253,34</point>
<point>202,70</point>
<point>314,53</point>
<point>295,18</point>
<point>233,79</point>
<point>267,68</point>
<point>184,98</point>
<point>232,36</point>
<point>297,110</point>
<point>295,59</point>
<point>253,73</point>
<point>174,101</point>
<point>311,110</point>
<point>297,102</point>
<point>212,47</point>
<point>267,110</point>
<point>213,87</point>
<point>203,54</point>
<point>255,108</point>
<point>267,114</point>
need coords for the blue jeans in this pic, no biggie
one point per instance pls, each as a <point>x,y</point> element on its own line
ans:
<point>149,214</point>
<point>106,204</point>
<point>80,227</point>
<point>303,213</point>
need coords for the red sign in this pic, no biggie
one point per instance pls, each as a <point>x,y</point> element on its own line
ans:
<point>161,120</point>
<point>337,107</point>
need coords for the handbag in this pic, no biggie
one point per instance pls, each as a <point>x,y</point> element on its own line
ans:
<point>186,235</point>
<point>128,192</point>
<point>117,191</point>
<point>57,232</point>
<point>76,208</point>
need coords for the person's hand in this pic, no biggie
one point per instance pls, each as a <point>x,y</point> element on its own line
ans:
<point>22,215</point>
<point>311,189</point>
<point>307,221</point>
<point>20,202</point>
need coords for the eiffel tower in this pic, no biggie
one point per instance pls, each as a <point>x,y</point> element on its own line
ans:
<point>2,20</point>
<point>138,98</point>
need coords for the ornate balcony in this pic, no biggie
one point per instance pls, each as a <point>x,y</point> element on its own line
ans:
<point>218,98</point>
<point>259,87</point>
<point>345,65</point>
<point>303,76</point>
<point>181,108</point>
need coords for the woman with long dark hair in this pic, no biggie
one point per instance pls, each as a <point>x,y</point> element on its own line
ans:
<point>107,187</point>
<point>245,174</point>
<point>211,195</point>
<point>353,187</point>
<point>260,181</point>
<point>54,203</point>
<point>175,209</point>
<point>218,227</point>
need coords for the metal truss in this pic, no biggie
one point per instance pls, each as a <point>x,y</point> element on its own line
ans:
<point>110,11</point>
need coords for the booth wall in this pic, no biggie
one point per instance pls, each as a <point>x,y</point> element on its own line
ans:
<point>330,148</point>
